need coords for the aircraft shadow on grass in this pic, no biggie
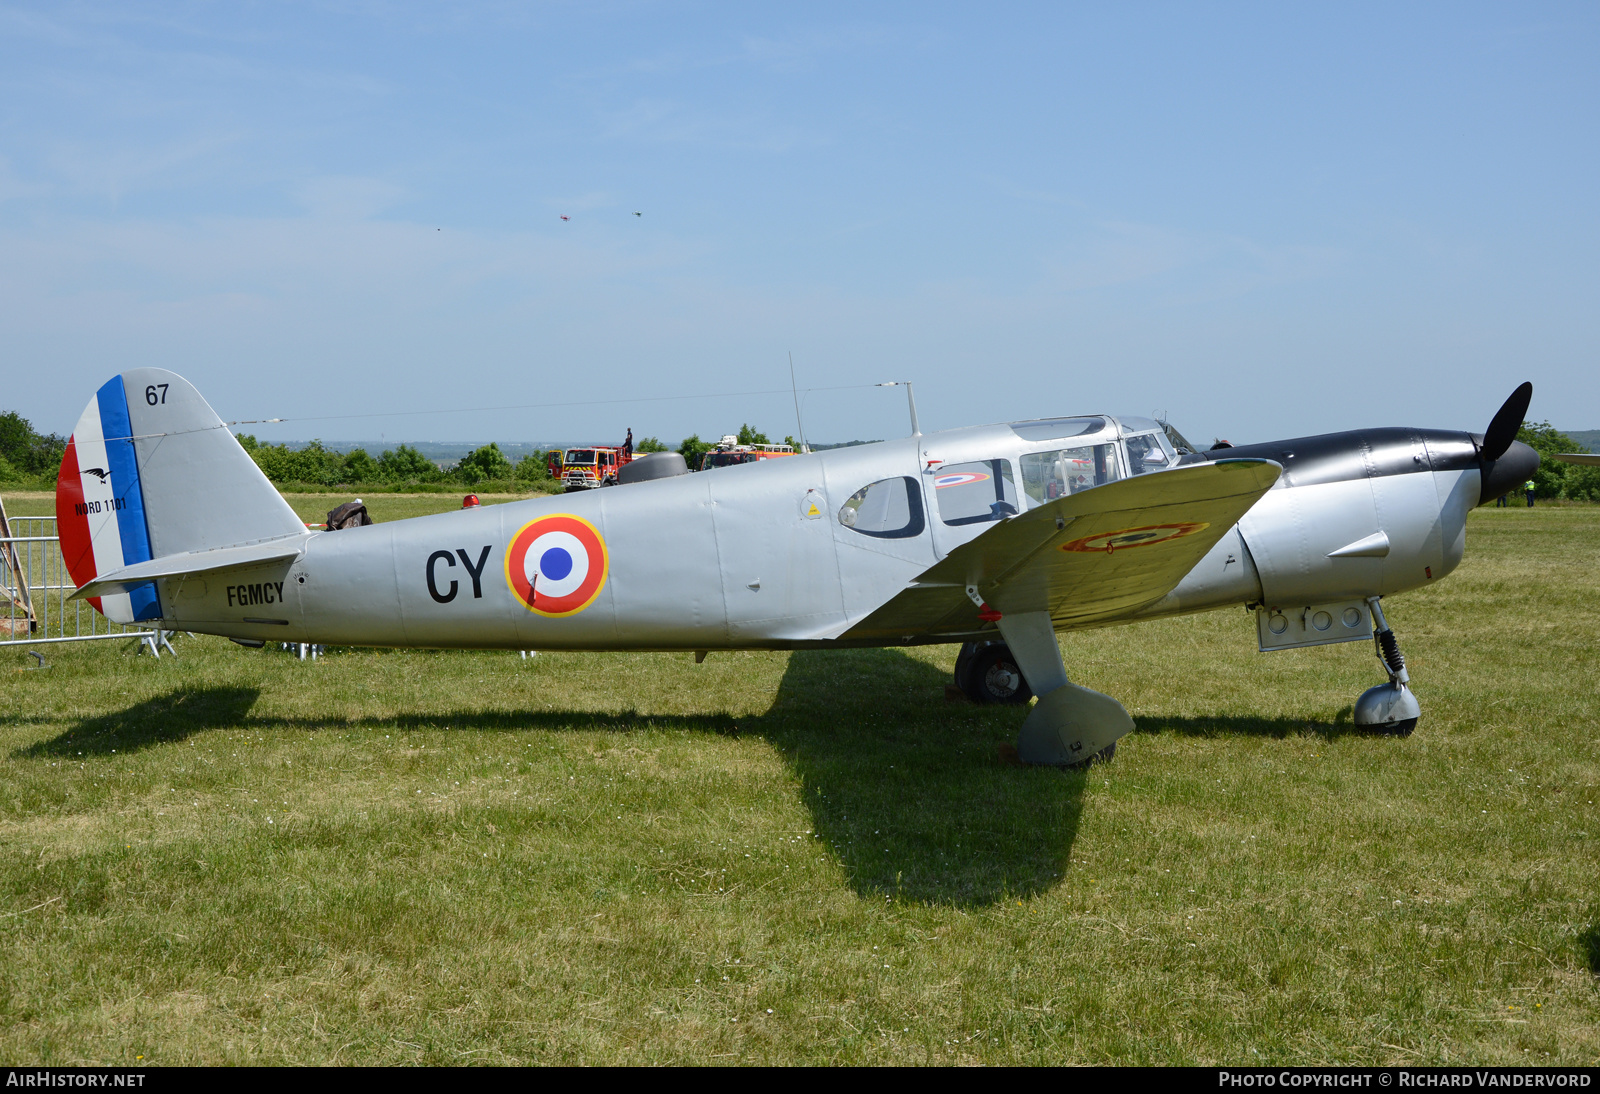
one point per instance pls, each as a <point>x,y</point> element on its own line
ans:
<point>911,794</point>
<point>165,719</point>
<point>1248,726</point>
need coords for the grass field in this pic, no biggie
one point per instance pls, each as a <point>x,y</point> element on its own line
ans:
<point>398,857</point>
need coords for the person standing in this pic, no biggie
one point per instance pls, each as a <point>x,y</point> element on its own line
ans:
<point>1528,486</point>
<point>627,445</point>
<point>1501,503</point>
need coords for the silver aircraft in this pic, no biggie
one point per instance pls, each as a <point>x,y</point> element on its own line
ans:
<point>995,537</point>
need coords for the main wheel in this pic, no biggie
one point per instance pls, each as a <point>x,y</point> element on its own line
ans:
<point>1102,757</point>
<point>993,676</point>
<point>964,662</point>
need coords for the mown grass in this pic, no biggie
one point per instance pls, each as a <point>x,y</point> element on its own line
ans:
<point>395,857</point>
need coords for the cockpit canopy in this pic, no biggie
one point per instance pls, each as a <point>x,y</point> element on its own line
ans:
<point>1090,452</point>
<point>1057,457</point>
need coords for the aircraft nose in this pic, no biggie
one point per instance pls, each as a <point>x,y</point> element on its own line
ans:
<point>1507,474</point>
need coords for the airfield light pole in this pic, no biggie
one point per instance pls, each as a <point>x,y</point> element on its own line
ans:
<point>911,401</point>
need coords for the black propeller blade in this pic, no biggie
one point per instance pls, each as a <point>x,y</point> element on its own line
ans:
<point>1507,420</point>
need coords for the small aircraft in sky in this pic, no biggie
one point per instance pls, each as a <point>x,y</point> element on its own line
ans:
<point>995,537</point>
<point>565,217</point>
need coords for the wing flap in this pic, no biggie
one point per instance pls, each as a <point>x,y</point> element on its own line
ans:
<point>1088,558</point>
<point>195,562</point>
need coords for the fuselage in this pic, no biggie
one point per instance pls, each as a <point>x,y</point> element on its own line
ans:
<point>791,553</point>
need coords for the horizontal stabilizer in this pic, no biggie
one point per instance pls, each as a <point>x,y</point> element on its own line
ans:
<point>1091,557</point>
<point>195,562</point>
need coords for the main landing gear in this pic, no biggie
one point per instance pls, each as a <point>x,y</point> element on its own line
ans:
<point>1388,708</point>
<point>986,672</point>
<point>1070,726</point>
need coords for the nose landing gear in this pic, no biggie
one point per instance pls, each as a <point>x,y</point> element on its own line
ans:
<point>1388,708</point>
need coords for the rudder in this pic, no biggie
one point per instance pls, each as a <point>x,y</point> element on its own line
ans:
<point>150,471</point>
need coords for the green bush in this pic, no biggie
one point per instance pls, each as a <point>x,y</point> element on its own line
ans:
<point>1555,479</point>
<point>313,464</point>
<point>692,448</point>
<point>486,464</point>
<point>406,464</point>
<point>534,468</point>
<point>360,467</point>
<point>29,452</point>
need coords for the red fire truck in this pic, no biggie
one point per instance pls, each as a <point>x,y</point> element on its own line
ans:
<point>589,467</point>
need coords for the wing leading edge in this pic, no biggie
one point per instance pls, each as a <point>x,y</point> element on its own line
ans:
<point>1088,558</point>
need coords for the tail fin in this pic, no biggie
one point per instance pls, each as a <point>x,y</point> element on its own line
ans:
<point>151,471</point>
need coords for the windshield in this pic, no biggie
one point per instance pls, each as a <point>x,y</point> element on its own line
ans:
<point>1150,452</point>
<point>1179,441</point>
<point>583,457</point>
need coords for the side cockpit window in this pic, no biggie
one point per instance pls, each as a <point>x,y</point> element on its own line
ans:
<point>886,509</point>
<point>971,493</point>
<point>1050,475</point>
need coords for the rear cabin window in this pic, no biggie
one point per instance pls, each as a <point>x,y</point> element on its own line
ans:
<point>971,493</point>
<point>1050,475</point>
<point>886,509</point>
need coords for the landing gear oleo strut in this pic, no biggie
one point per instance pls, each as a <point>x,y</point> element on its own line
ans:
<point>1388,708</point>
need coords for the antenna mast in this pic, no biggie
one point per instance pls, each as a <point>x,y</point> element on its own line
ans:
<point>796,392</point>
<point>911,403</point>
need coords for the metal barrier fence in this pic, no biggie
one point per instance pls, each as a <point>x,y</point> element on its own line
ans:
<point>34,586</point>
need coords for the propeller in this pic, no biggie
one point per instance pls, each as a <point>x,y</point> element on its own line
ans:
<point>1507,420</point>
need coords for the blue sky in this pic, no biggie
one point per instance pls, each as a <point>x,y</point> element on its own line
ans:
<point>1264,219</point>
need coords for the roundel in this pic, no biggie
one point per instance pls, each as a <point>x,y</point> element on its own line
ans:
<point>1136,537</point>
<point>556,565</point>
<point>960,478</point>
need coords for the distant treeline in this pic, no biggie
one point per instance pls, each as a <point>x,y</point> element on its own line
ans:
<point>30,459</point>
<point>315,464</point>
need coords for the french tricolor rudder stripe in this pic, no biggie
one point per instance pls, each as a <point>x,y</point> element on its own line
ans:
<point>100,504</point>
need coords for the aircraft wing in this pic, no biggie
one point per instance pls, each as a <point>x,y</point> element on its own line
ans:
<point>1088,558</point>
<point>1589,459</point>
<point>192,563</point>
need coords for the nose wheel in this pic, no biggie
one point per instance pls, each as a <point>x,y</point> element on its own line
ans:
<point>1388,708</point>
